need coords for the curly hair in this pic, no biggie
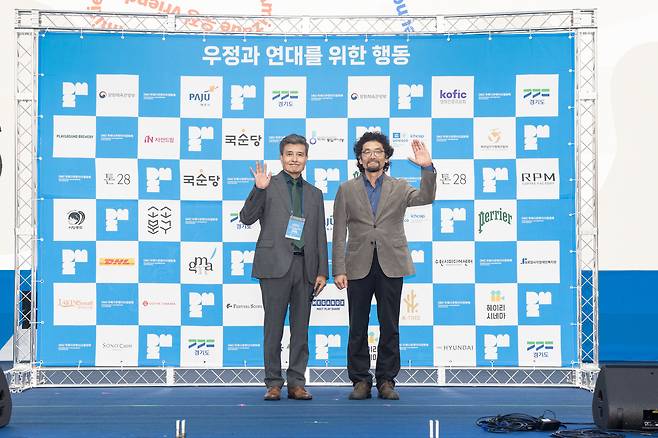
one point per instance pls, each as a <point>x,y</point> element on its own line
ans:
<point>373,136</point>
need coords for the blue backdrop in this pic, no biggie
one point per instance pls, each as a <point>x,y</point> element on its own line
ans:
<point>146,143</point>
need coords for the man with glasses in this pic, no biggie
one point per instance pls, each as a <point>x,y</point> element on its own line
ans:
<point>370,208</point>
<point>290,260</point>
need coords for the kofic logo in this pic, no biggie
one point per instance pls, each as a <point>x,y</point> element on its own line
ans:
<point>154,176</point>
<point>239,93</point>
<point>492,343</point>
<point>323,176</point>
<point>155,342</point>
<point>202,265</point>
<point>535,299</point>
<point>360,130</point>
<point>70,258</point>
<point>238,259</point>
<point>323,343</point>
<point>159,219</point>
<point>452,96</point>
<point>70,91</point>
<point>418,256</point>
<point>196,134</point>
<point>198,300</point>
<point>113,216</point>
<point>484,217</point>
<point>490,176</point>
<point>448,218</point>
<point>406,93</point>
<point>75,218</point>
<point>533,132</point>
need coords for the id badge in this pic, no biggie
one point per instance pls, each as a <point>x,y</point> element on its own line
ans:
<point>295,227</point>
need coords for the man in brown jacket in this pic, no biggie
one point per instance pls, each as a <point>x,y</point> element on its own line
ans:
<point>371,209</point>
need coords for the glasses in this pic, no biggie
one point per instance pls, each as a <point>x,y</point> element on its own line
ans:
<point>376,153</point>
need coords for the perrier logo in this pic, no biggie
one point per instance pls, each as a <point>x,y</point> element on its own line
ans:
<point>484,217</point>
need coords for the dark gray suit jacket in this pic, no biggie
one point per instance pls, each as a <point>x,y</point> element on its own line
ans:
<point>272,206</point>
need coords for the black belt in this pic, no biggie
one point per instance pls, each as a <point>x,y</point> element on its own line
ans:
<point>298,253</point>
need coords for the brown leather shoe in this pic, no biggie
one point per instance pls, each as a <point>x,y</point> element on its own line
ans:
<point>361,391</point>
<point>387,391</point>
<point>299,393</point>
<point>273,393</point>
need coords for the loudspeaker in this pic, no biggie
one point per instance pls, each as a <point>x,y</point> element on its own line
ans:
<point>5,400</point>
<point>626,397</point>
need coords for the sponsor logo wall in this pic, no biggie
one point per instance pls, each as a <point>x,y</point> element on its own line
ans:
<point>143,257</point>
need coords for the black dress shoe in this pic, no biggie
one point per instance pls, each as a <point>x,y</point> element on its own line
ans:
<point>387,391</point>
<point>361,391</point>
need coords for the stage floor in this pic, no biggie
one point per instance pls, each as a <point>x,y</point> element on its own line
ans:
<point>241,412</point>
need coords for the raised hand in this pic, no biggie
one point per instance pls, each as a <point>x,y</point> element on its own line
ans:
<point>421,154</point>
<point>261,176</point>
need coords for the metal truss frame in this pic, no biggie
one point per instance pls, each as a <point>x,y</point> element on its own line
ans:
<point>27,373</point>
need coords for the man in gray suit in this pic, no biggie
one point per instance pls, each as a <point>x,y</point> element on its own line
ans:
<point>290,260</point>
<point>370,208</point>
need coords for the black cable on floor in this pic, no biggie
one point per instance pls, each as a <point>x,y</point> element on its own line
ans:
<point>586,433</point>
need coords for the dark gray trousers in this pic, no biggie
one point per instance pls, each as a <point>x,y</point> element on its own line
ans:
<point>294,289</point>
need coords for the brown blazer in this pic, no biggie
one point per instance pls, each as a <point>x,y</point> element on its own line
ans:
<point>385,231</point>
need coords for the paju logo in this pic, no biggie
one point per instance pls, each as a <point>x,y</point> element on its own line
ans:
<point>490,176</point>
<point>204,97</point>
<point>198,300</point>
<point>536,96</point>
<point>70,90</point>
<point>448,218</point>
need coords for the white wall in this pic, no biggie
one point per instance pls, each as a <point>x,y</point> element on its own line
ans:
<point>628,92</point>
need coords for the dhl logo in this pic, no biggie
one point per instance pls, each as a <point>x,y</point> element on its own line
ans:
<point>116,262</point>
